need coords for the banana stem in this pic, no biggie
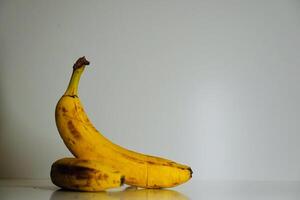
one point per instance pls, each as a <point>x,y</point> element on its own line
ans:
<point>78,68</point>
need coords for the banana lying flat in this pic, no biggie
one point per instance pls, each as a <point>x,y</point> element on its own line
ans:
<point>84,175</point>
<point>85,142</point>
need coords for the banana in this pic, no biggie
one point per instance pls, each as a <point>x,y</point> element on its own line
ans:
<point>85,141</point>
<point>84,175</point>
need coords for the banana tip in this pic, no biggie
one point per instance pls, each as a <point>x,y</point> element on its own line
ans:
<point>191,172</point>
<point>82,61</point>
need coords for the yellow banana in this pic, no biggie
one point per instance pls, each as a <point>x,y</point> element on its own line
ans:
<point>84,175</point>
<point>84,141</point>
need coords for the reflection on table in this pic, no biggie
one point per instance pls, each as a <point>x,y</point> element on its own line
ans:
<point>129,193</point>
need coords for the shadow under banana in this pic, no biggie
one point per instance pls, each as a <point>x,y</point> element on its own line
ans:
<point>131,193</point>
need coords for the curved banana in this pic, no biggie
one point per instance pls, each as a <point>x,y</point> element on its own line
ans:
<point>84,141</point>
<point>84,175</point>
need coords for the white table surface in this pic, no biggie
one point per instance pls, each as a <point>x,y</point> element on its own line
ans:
<point>202,190</point>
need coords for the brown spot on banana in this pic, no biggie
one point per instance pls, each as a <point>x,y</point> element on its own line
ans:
<point>74,170</point>
<point>84,161</point>
<point>101,176</point>
<point>70,140</point>
<point>88,182</point>
<point>83,176</point>
<point>156,186</point>
<point>167,165</point>
<point>122,181</point>
<point>72,96</point>
<point>73,130</point>
<point>131,158</point>
<point>105,176</point>
<point>76,186</point>
<point>183,168</point>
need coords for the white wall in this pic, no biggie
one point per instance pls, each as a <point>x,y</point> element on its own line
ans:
<point>214,84</point>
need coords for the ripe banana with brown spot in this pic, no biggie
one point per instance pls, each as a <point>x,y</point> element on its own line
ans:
<point>84,175</point>
<point>84,141</point>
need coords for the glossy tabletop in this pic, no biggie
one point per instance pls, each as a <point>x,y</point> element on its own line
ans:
<point>202,190</point>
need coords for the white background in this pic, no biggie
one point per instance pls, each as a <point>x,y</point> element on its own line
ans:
<point>213,84</point>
